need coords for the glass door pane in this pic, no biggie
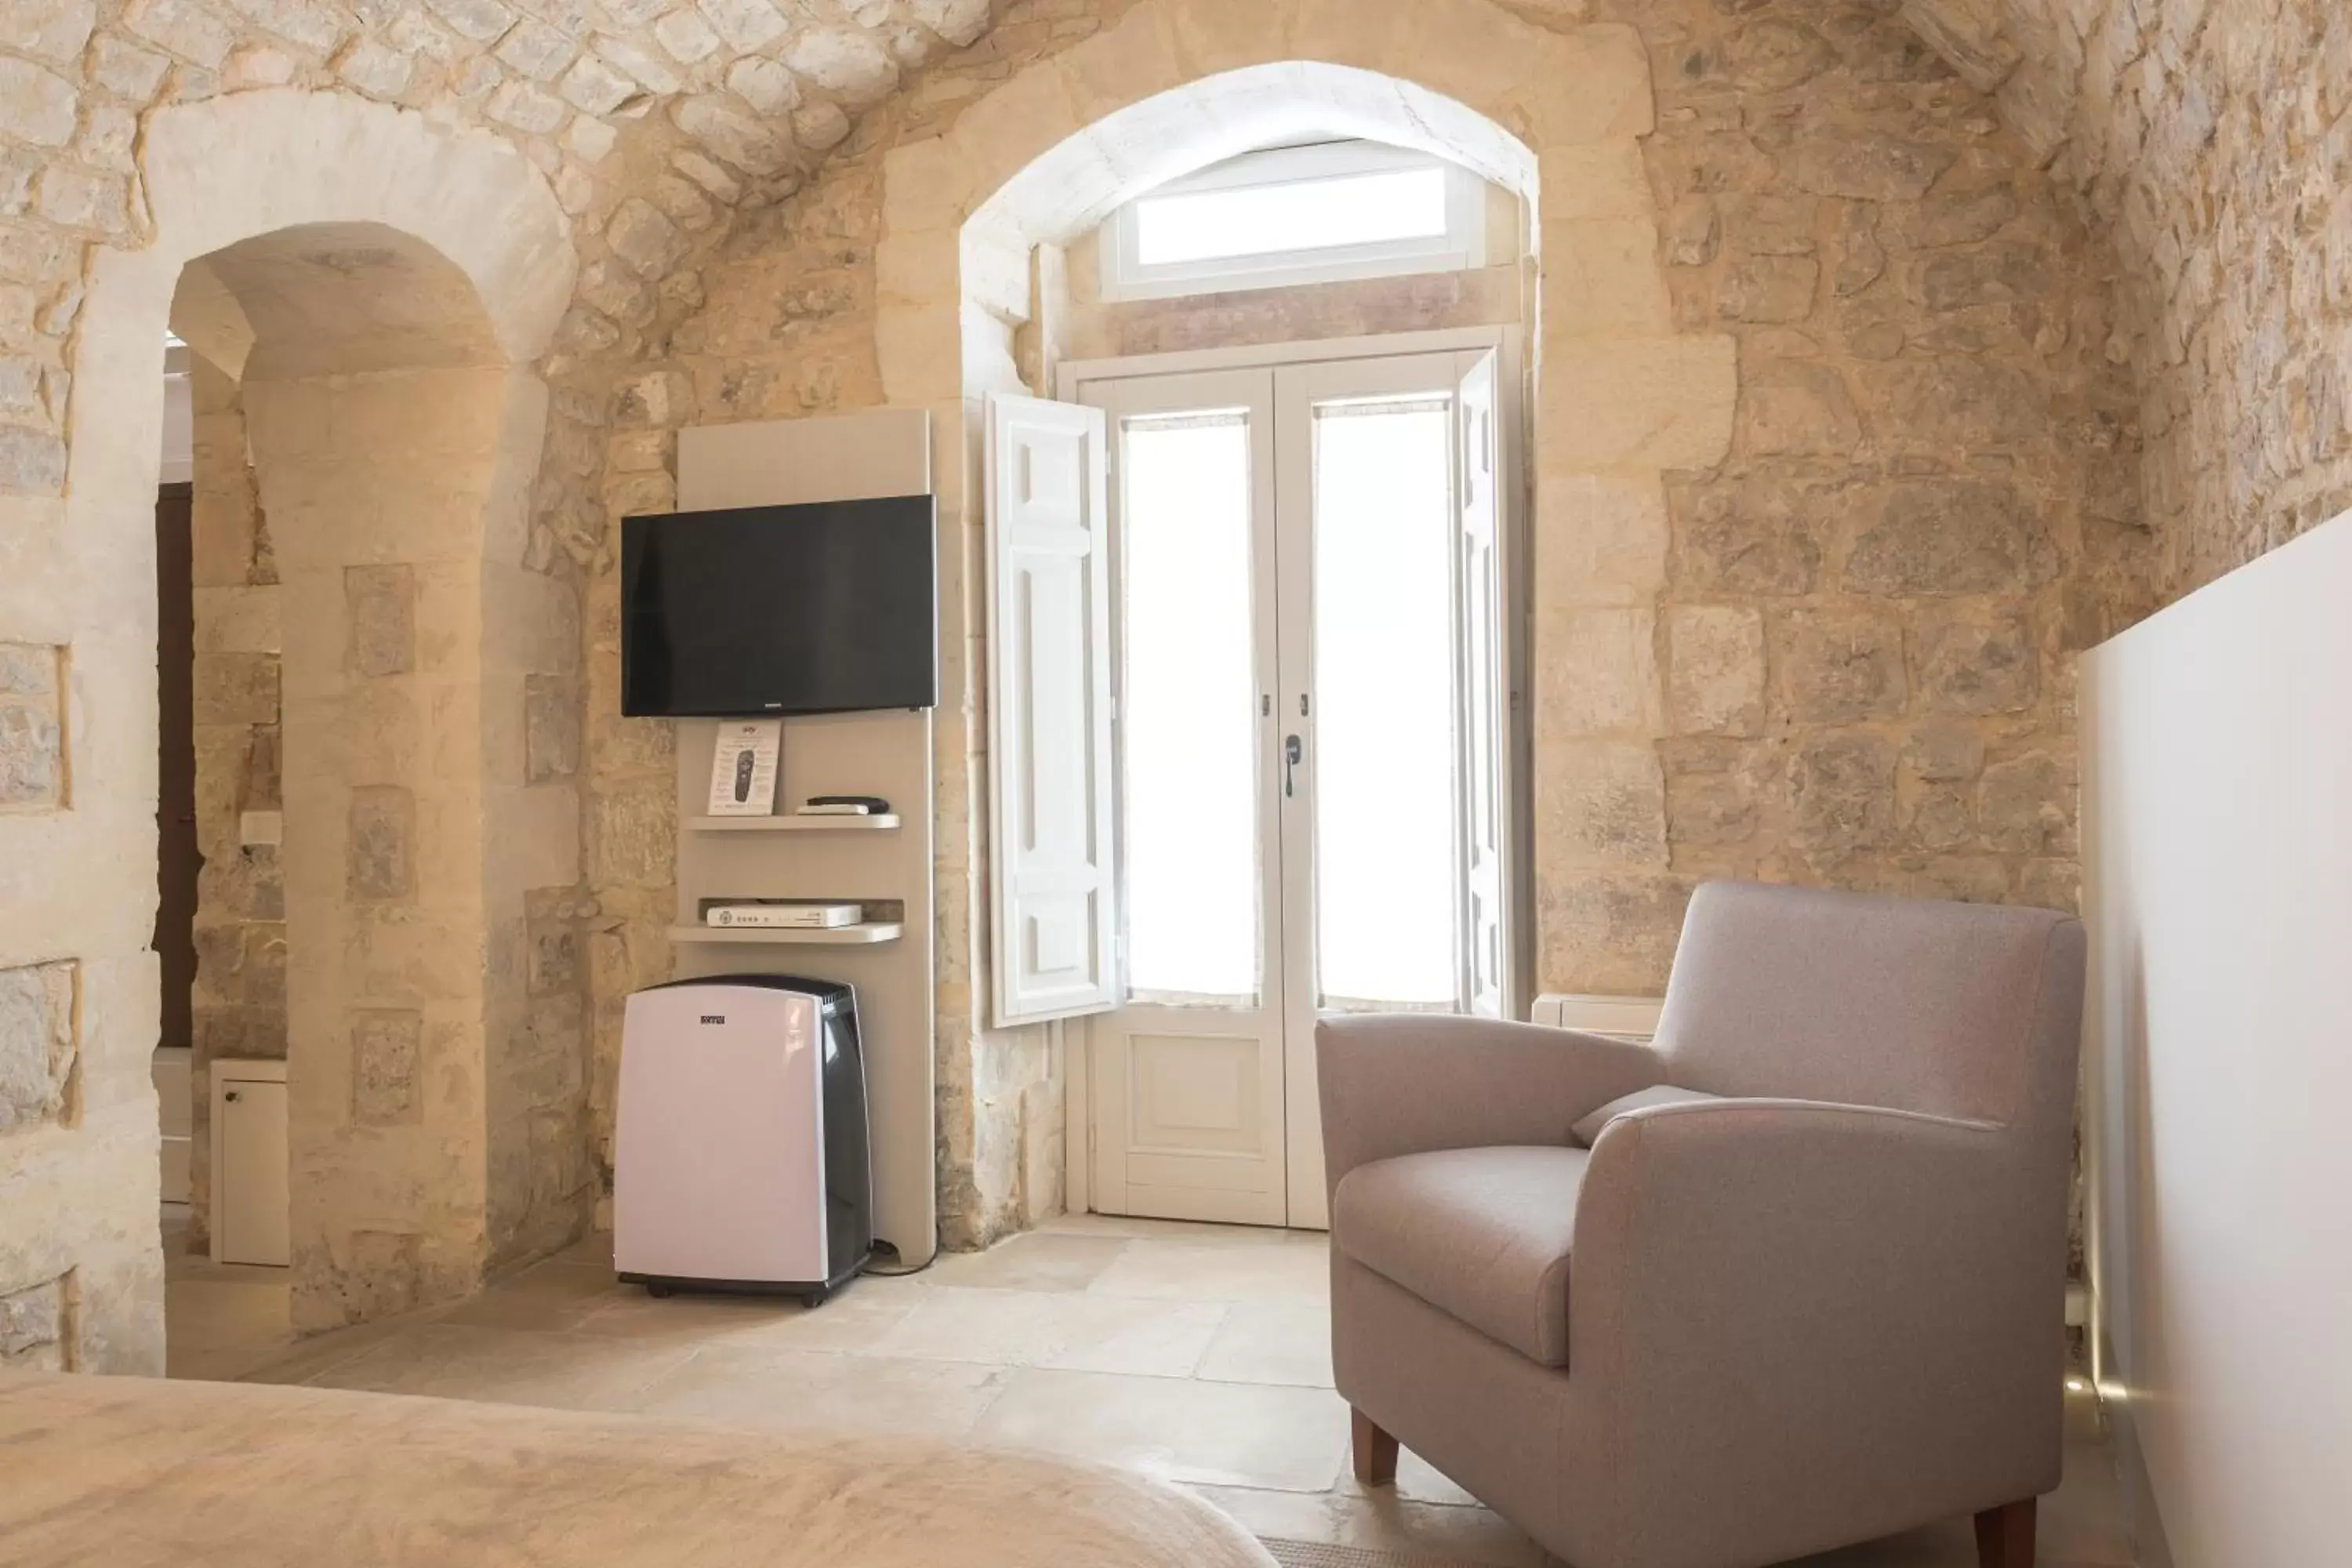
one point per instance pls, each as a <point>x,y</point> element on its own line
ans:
<point>1387,836</point>
<point>1189,710</point>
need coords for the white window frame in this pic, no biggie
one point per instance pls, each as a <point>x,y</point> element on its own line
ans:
<point>1461,248</point>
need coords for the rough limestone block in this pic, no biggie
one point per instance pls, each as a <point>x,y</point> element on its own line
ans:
<point>1602,180</point>
<point>192,31</point>
<point>911,344</point>
<point>1598,802</point>
<point>379,614</point>
<point>1586,86</point>
<point>1350,33</point>
<point>2026,805</point>
<point>1951,536</point>
<point>1840,666</point>
<point>1630,403</point>
<point>236,689</point>
<point>238,620</point>
<point>1797,408</point>
<point>1841,795</point>
<point>383,827</point>
<point>1217,36</point>
<point>551,728</point>
<point>1600,538</point>
<point>31,460</point>
<point>386,1051</point>
<point>1977,667</point>
<point>35,1326</point>
<point>36,105</point>
<point>1123,64</point>
<point>32,744</point>
<point>48,29</point>
<point>926,184</point>
<point>1016,124</point>
<point>1596,671</point>
<point>1609,934</point>
<point>996,274</point>
<point>1602,278</point>
<point>37,1044</point>
<point>917,267</point>
<point>1717,668</point>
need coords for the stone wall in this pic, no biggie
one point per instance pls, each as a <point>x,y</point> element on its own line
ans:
<point>2209,138</point>
<point>1838,653</point>
<point>239,1007</point>
<point>1776,662</point>
<point>1863,651</point>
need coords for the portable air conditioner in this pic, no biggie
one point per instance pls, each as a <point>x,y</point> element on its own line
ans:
<point>739,1159</point>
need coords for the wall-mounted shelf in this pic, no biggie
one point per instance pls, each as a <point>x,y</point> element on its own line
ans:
<point>885,822</point>
<point>865,935</point>
<point>829,859</point>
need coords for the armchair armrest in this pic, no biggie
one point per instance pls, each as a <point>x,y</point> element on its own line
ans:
<point>1786,1297</point>
<point>1409,1083</point>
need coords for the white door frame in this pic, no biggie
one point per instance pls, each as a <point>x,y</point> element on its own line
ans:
<point>1070,382</point>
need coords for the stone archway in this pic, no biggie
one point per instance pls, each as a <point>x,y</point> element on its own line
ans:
<point>414,1117</point>
<point>1619,397</point>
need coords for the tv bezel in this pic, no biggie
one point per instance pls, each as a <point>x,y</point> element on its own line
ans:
<point>649,520</point>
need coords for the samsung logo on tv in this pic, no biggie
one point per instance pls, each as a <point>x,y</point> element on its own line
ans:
<point>714,1017</point>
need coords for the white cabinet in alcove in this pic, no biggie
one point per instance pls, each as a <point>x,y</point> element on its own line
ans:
<point>249,1176</point>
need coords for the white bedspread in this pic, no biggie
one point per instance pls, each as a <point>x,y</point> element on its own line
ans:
<point>133,1472</point>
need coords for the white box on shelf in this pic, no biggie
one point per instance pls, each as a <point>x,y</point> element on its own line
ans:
<point>743,769</point>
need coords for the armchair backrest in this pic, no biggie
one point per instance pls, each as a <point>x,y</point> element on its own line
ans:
<point>1964,1010</point>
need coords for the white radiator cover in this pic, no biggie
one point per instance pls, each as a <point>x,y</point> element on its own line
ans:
<point>1619,1017</point>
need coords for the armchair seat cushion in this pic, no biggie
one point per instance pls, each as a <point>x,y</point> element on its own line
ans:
<point>1482,1235</point>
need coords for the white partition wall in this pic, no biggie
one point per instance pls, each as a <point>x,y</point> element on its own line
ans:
<point>854,457</point>
<point>2218,884</point>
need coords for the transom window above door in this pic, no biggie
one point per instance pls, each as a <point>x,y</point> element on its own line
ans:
<point>1319,213</point>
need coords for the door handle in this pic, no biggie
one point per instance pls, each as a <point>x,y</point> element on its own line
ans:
<point>1292,749</point>
<point>230,1095</point>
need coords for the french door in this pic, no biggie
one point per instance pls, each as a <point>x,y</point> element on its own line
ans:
<point>1311,723</point>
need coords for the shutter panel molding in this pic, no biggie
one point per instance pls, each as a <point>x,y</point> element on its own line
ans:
<point>1483,617</point>
<point>1053,905</point>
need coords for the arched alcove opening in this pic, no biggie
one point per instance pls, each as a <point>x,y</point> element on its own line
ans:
<point>368,295</point>
<point>366,640</point>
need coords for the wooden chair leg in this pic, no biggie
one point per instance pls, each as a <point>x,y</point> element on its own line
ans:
<point>1376,1451</point>
<point>2005,1536</point>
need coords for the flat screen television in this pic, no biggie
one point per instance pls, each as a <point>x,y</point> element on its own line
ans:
<point>831,607</point>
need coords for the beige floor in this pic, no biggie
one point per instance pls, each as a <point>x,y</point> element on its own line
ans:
<point>1196,1353</point>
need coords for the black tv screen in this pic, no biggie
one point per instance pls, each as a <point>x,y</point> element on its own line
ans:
<point>823,608</point>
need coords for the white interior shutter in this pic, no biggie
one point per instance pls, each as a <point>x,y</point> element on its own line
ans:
<point>1485,695</point>
<point>1051,895</point>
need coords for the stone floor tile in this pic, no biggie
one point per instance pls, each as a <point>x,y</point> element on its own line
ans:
<point>546,1296</point>
<point>804,1389</point>
<point>1223,1434</point>
<point>1280,1341</point>
<point>1070,1330</point>
<point>572,1372</point>
<point>1423,1531</point>
<point>1221,1271</point>
<point>1040,1260</point>
<point>856,1316</point>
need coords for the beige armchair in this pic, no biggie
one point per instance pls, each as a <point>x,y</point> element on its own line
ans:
<point>1825,1307</point>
